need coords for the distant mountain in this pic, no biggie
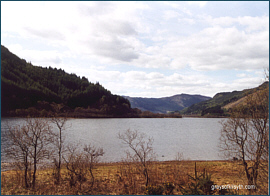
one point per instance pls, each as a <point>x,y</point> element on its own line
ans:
<point>221,103</point>
<point>165,104</point>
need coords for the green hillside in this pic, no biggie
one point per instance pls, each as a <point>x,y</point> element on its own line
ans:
<point>28,90</point>
<point>214,106</point>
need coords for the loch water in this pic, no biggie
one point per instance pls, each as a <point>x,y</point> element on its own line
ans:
<point>195,138</point>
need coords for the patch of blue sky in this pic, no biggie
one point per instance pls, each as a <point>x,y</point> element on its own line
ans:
<point>224,75</point>
<point>235,8</point>
<point>146,40</point>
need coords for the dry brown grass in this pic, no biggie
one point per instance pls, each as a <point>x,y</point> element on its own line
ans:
<point>125,178</point>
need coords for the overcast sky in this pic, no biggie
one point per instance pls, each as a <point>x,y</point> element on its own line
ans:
<point>145,49</point>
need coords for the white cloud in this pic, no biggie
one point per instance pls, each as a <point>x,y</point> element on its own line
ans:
<point>241,75</point>
<point>170,14</point>
<point>42,58</point>
<point>153,37</point>
<point>220,48</point>
<point>112,35</point>
<point>153,84</point>
<point>247,22</point>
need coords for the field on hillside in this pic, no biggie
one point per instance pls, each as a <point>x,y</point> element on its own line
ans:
<point>172,177</point>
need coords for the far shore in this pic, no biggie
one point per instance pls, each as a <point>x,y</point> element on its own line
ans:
<point>183,116</point>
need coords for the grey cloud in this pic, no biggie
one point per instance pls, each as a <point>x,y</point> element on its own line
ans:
<point>99,16</point>
<point>110,38</point>
<point>48,34</point>
<point>113,48</point>
<point>98,8</point>
<point>119,27</point>
<point>114,27</point>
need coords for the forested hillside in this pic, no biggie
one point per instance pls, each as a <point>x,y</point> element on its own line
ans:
<point>33,90</point>
<point>219,105</point>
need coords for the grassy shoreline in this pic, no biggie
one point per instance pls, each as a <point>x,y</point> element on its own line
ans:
<point>125,178</point>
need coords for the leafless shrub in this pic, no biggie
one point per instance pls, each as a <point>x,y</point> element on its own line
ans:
<point>76,165</point>
<point>141,151</point>
<point>59,144</point>
<point>79,161</point>
<point>245,135</point>
<point>92,155</point>
<point>179,156</point>
<point>29,144</point>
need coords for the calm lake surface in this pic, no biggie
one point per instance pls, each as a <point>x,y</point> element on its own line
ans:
<point>196,138</point>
